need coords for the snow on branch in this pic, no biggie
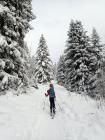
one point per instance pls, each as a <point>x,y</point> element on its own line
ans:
<point>2,9</point>
<point>8,81</point>
<point>2,41</point>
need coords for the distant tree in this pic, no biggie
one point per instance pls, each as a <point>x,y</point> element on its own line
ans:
<point>61,71</point>
<point>33,81</point>
<point>77,58</point>
<point>32,65</point>
<point>14,24</point>
<point>55,71</point>
<point>96,51</point>
<point>96,80</point>
<point>43,66</point>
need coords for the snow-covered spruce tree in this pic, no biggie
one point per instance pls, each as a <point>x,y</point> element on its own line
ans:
<point>55,71</point>
<point>43,66</point>
<point>26,65</point>
<point>96,81</point>
<point>61,71</point>
<point>96,51</point>
<point>77,58</point>
<point>14,24</point>
<point>32,66</point>
<point>32,72</point>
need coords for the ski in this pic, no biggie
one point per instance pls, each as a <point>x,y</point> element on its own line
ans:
<point>52,116</point>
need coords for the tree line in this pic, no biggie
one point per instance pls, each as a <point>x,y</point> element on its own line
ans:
<point>81,68</point>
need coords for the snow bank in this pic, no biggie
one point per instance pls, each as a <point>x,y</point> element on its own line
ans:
<point>83,118</point>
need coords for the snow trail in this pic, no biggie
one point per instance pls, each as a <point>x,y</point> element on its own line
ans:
<point>26,117</point>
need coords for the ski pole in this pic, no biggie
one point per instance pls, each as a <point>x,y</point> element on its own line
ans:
<point>59,106</point>
<point>44,104</point>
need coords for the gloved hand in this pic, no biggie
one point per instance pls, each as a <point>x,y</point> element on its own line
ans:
<point>46,94</point>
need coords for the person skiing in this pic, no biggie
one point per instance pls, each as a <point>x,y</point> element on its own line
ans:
<point>51,94</point>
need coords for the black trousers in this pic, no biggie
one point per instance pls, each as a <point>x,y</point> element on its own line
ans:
<point>52,104</point>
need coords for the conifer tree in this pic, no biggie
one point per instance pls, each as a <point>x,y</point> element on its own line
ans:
<point>96,51</point>
<point>43,66</point>
<point>14,24</point>
<point>96,80</point>
<point>61,71</point>
<point>77,58</point>
<point>55,71</point>
<point>33,81</point>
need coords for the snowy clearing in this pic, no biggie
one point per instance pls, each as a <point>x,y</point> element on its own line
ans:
<point>26,117</point>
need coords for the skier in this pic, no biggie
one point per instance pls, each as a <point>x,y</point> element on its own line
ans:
<point>51,94</point>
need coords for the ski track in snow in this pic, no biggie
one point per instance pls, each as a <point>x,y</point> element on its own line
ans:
<point>26,117</point>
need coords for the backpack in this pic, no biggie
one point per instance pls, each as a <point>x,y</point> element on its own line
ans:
<point>52,92</point>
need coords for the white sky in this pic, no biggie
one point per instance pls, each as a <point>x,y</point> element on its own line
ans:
<point>53,19</point>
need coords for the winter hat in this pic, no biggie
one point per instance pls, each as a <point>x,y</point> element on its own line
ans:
<point>51,85</point>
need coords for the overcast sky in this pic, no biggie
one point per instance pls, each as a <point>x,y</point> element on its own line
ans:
<point>54,16</point>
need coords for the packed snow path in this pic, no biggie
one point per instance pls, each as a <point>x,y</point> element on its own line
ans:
<point>26,117</point>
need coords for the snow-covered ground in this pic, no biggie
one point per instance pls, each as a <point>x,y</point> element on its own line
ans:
<point>26,117</point>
